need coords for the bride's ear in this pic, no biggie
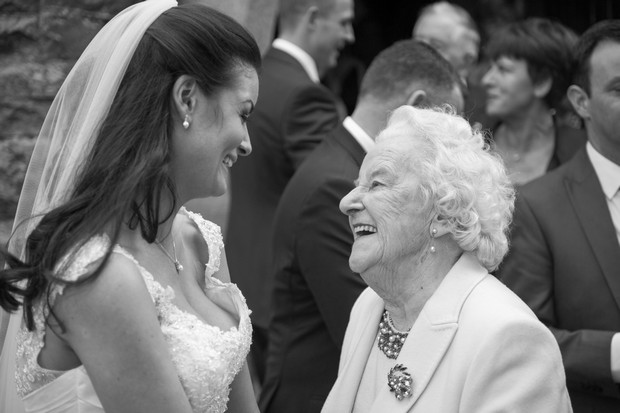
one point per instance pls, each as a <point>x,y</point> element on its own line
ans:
<point>184,95</point>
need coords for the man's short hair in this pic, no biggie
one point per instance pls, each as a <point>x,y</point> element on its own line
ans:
<point>394,69</point>
<point>606,30</point>
<point>291,11</point>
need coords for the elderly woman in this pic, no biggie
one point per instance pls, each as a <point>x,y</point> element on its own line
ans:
<point>435,332</point>
<point>526,92</point>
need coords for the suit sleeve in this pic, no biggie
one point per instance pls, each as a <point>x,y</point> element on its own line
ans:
<point>529,272</point>
<point>323,249</point>
<point>312,113</point>
<point>517,368</point>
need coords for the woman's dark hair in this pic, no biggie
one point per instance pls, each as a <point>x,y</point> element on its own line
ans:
<point>546,46</point>
<point>126,174</point>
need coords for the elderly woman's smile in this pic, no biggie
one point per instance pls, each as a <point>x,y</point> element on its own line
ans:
<point>361,230</point>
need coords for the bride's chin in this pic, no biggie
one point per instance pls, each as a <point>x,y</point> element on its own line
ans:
<point>222,187</point>
<point>218,191</point>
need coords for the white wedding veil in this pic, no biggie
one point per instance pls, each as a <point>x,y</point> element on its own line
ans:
<point>68,132</point>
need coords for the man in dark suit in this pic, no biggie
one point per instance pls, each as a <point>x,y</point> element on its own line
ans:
<point>292,114</point>
<point>314,287</point>
<point>565,258</point>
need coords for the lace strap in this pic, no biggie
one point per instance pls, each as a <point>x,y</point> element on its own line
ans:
<point>76,264</point>
<point>212,235</point>
<point>71,267</point>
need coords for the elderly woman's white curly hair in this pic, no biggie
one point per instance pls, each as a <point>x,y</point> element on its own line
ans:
<point>465,182</point>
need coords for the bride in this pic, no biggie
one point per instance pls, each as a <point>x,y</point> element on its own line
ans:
<point>120,297</point>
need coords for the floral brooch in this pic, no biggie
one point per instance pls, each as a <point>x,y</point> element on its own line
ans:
<point>400,382</point>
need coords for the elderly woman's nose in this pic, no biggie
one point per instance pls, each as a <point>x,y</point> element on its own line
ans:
<point>351,202</point>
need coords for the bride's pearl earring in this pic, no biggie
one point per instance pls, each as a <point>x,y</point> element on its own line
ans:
<point>186,122</point>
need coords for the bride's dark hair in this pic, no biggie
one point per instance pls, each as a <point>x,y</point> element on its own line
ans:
<point>126,173</point>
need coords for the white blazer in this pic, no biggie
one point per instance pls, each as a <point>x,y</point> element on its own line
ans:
<point>475,347</point>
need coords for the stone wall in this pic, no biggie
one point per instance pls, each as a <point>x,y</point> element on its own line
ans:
<point>40,40</point>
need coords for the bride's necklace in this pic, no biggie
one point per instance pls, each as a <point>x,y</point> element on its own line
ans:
<point>175,261</point>
<point>389,340</point>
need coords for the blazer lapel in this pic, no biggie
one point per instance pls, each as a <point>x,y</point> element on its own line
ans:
<point>421,355</point>
<point>433,332</point>
<point>585,193</point>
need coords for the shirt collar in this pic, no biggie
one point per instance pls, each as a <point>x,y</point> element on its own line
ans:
<point>304,59</point>
<point>365,141</point>
<point>608,172</point>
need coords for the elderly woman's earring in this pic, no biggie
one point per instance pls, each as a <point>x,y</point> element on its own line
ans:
<point>433,233</point>
<point>186,121</point>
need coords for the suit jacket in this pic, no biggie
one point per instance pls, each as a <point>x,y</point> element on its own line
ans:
<point>314,287</point>
<point>565,264</point>
<point>290,117</point>
<point>475,347</point>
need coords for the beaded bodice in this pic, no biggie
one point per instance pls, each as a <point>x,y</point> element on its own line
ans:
<point>206,358</point>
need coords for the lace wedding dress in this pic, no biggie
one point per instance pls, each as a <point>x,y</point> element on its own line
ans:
<point>207,359</point>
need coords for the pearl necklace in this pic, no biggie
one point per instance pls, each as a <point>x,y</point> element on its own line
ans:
<point>389,340</point>
<point>175,261</point>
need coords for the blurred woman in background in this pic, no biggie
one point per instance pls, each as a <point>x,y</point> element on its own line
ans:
<point>525,90</point>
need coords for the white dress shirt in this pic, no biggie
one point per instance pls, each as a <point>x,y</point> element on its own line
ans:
<point>304,59</point>
<point>360,135</point>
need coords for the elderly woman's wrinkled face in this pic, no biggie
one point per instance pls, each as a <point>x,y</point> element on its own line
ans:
<point>386,214</point>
